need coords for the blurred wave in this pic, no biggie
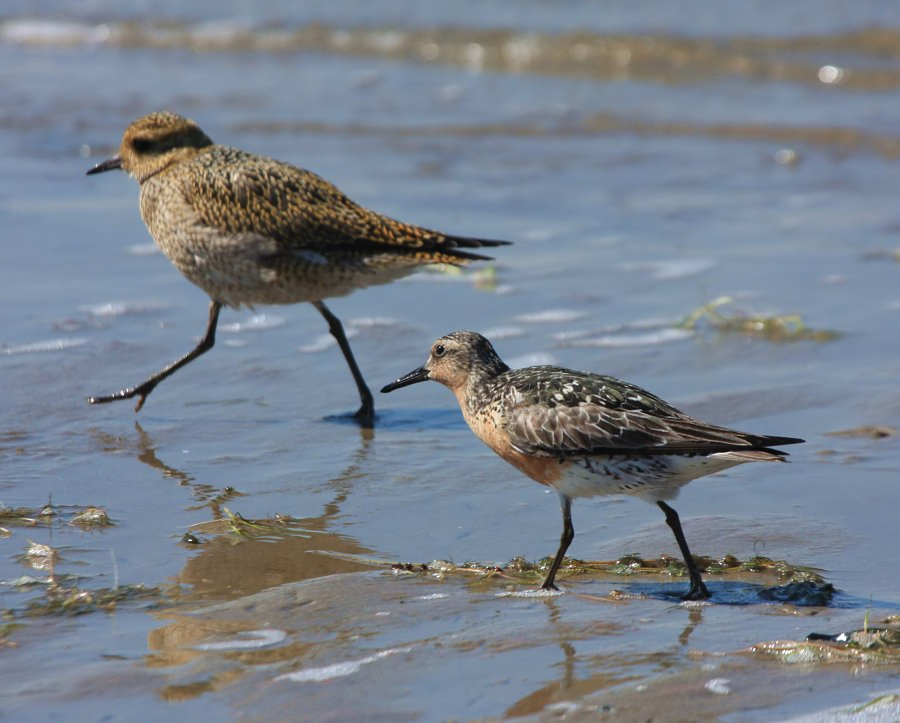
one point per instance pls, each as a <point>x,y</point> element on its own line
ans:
<point>860,59</point>
<point>851,62</point>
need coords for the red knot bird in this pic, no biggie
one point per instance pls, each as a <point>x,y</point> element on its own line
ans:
<point>585,434</point>
<point>252,230</point>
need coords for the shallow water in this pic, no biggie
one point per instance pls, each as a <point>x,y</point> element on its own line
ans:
<point>642,164</point>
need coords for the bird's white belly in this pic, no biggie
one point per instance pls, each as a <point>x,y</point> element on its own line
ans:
<point>234,269</point>
<point>651,478</point>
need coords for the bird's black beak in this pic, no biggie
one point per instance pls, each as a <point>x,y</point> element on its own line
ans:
<point>414,377</point>
<point>110,164</point>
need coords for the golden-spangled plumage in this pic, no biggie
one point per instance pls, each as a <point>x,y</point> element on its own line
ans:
<point>586,434</point>
<point>253,230</point>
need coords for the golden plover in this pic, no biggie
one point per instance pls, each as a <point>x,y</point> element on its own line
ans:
<point>252,230</point>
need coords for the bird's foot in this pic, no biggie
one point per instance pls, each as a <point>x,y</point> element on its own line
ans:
<point>141,392</point>
<point>698,591</point>
<point>365,415</point>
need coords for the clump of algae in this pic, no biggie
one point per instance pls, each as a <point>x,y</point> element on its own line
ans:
<point>521,571</point>
<point>776,328</point>
<point>61,594</point>
<point>870,645</point>
<point>275,527</point>
<point>61,599</point>
<point>87,517</point>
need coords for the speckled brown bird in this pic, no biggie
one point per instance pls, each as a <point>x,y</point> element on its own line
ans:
<point>586,435</point>
<point>252,230</point>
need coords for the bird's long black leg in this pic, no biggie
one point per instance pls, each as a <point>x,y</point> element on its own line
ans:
<point>366,413</point>
<point>568,534</point>
<point>698,590</point>
<point>142,391</point>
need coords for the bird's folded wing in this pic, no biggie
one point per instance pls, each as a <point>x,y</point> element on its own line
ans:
<point>566,431</point>
<point>301,210</point>
<point>290,205</point>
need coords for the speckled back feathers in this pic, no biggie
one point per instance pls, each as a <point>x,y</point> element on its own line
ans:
<point>250,229</point>
<point>555,412</point>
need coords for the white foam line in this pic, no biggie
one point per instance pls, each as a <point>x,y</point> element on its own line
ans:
<point>504,332</point>
<point>258,322</point>
<point>149,249</point>
<point>43,346</point>
<point>530,360</point>
<point>551,316</point>
<point>375,322</point>
<point>663,336</point>
<point>320,343</point>
<point>112,309</point>
<point>571,335</point>
<point>670,270</point>
<point>720,686</point>
<point>337,670</point>
<point>539,592</point>
<point>247,640</point>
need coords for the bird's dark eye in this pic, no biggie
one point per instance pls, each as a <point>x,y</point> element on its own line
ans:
<point>141,145</point>
<point>439,350</point>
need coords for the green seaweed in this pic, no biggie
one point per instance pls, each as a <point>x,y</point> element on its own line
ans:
<point>869,431</point>
<point>7,628</point>
<point>87,517</point>
<point>875,646</point>
<point>63,600</point>
<point>25,516</point>
<point>521,571</point>
<point>92,518</point>
<point>276,527</point>
<point>777,328</point>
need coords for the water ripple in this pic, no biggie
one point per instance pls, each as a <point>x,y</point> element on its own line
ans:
<point>43,346</point>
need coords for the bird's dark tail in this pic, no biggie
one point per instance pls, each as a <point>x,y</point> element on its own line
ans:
<point>768,441</point>
<point>454,245</point>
